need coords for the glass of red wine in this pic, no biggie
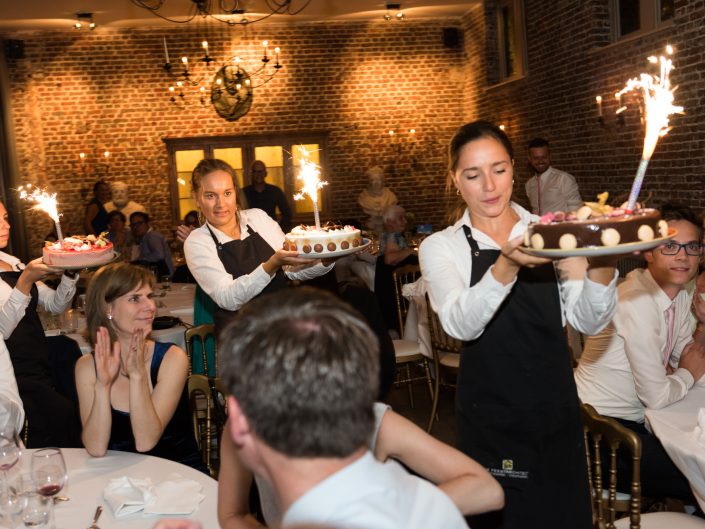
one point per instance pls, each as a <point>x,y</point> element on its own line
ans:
<point>49,474</point>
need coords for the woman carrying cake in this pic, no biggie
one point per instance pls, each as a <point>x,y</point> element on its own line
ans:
<point>52,416</point>
<point>517,405</point>
<point>237,253</point>
<point>131,390</point>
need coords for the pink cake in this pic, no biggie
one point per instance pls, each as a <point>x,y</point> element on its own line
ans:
<point>307,240</point>
<point>78,251</point>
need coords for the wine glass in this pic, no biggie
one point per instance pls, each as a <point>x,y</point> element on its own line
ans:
<point>37,510</point>
<point>81,304</point>
<point>10,452</point>
<point>49,474</point>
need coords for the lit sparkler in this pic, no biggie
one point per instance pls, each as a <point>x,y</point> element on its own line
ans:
<point>658,106</point>
<point>310,174</point>
<point>43,201</point>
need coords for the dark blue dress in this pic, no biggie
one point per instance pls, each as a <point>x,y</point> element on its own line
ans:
<point>177,442</point>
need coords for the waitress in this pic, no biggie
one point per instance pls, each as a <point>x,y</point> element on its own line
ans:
<point>237,254</point>
<point>516,402</point>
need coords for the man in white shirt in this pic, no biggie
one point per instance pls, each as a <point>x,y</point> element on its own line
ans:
<point>302,370</point>
<point>646,357</point>
<point>549,189</point>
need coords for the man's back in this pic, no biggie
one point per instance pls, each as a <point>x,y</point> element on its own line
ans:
<point>368,494</point>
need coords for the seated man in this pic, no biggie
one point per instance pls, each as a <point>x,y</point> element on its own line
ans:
<point>151,248</point>
<point>302,370</point>
<point>645,357</point>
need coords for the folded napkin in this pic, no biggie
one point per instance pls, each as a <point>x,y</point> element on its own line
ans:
<point>174,495</point>
<point>700,428</point>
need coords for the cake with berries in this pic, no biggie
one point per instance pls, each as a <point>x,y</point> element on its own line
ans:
<point>307,240</point>
<point>78,251</point>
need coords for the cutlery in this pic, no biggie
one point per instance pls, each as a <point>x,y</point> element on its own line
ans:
<point>97,514</point>
<point>61,498</point>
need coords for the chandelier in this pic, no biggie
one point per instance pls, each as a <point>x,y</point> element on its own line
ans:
<point>228,84</point>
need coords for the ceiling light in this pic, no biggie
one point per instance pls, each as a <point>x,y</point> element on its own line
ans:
<point>84,20</point>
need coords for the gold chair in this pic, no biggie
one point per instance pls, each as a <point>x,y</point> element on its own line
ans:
<point>201,332</point>
<point>207,397</point>
<point>408,352</point>
<point>602,475</point>
<point>446,358</point>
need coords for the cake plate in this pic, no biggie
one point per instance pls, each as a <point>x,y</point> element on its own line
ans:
<point>88,267</point>
<point>598,251</point>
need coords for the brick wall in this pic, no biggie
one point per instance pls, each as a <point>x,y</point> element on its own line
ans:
<point>106,90</point>
<point>570,61</point>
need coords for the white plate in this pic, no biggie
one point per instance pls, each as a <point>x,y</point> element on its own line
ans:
<point>597,251</point>
<point>188,311</point>
<point>84,267</point>
<point>338,253</point>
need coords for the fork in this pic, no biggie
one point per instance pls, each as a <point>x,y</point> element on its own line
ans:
<point>97,514</point>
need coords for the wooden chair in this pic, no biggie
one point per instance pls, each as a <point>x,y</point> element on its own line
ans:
<point>408,352</point>
<point>207,397</point>
<point>201,333</point>
<point>446,358</point>
<point>602,475</point>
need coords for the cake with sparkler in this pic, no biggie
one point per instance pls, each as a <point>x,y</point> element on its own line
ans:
<point>593,225</point>
<point>78,251</point>
<point>310,240</point>
<point>596,224</point>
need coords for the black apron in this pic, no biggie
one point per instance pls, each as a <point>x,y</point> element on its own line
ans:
<point>241,257</point>
<point>52,417</point>
<point>517,406</point>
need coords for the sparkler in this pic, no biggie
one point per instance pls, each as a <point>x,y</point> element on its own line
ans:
<point>658,106</point>
<point>310,174</point>
<point>43,201</point>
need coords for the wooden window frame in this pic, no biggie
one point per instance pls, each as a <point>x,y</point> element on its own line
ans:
<point>649,19</point>
<point>518,38</point>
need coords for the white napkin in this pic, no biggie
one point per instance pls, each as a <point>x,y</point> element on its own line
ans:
<point>174,495</point>
<point>700,428</point>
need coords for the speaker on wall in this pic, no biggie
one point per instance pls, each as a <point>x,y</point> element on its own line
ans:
<point>14,49</point>
<point>451,37</point>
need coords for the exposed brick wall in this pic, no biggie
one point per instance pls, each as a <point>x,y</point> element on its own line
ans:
<point>570,61</point>
<point>106,90</point>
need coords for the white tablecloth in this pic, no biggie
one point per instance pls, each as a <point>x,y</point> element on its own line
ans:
<point>89,475</point>
<point>674,425</point>
<point>176,302</point>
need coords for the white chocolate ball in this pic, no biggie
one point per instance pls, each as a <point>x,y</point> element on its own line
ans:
<point>568,242</point>
<point>584,213</point>
<point>663,228</point>
<point>645,233</point>
<point>537,242</point>
<point>610,237</point>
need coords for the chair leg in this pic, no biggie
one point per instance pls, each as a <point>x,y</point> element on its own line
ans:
<point>428,377</point>
<point>409,384</point>
<point>434,405</point>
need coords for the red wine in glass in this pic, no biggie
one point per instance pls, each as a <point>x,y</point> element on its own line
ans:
<point>49,474</point>
<point>49,490</point>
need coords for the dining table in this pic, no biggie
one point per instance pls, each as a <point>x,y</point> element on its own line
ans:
<point>88,477</point>
<point>674,426</point>
<point>176,301</point>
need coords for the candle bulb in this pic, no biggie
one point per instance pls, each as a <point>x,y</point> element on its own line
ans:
<point>277,51</point>
<point>205,47</point>
<point>82,156</point>
<point>166,50</point>
<point>598,100</point>
<point>185,61</point>
<point>265,44</point>
<point>106,154</point>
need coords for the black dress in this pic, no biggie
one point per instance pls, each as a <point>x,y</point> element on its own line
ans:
<point>100,221</point>
<point>177,442</point>
<point>518,409</point>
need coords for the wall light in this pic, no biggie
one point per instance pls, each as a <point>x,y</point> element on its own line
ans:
<point>84,20</point>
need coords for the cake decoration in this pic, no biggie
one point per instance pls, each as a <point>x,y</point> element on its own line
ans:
<point>78,251</point>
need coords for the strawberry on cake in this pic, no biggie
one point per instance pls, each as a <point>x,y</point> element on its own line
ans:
<point>307,240</point>
<point>78,251</point>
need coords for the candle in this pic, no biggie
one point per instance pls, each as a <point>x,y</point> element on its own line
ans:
<point>205,47</point>
<point>82,156</point>
<point>43,201</point>
<point>166,50</point>
<point>265,44</point>
<point>277,51</point>
<point>185,61</point>
<point>598,100</point>
<point>310,174</point>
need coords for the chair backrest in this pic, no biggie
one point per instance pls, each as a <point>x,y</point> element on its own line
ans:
<point>207,398</point>
<point>199,334</point>
<point>604,435</point>
<point>441,342</point>
<point>401,276</point>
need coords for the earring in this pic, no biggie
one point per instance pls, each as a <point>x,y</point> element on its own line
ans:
<point>457,191</point>
<point>110,315</point>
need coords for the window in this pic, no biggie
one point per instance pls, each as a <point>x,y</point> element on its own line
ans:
<point>511,43</point>
<point>635,16</point>
<point>281,154</point>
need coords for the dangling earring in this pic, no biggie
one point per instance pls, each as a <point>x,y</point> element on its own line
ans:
<point>457,191</point>
<point>110,315</point>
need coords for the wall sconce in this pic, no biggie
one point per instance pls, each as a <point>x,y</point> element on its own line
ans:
<point>394,7</point>
<point>99,168</point>
<point>84,20</point>
<point>619,112</point>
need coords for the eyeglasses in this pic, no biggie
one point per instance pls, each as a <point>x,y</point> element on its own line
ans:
<point>673,248</point>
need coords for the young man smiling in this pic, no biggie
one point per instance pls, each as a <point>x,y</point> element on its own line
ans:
<point>646,357</point>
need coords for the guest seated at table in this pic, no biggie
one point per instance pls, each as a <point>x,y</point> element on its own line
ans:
<point>470,486</point>
<point>302,371</point>
<point>52,417</point>
<point>646,357</point>
<point>118,234</point>
<point>153,250</point>
<point>131,390</point>
<point>237,254</point>
<point>11,410</point>
<point>95,220</point>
